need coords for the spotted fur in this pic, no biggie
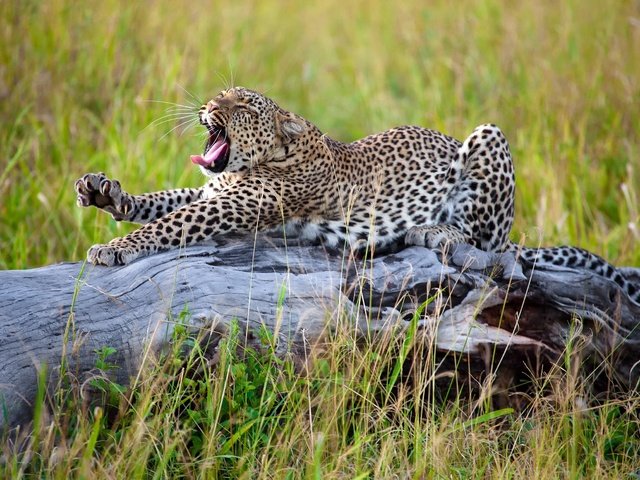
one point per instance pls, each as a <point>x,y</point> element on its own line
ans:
<point>405,185</point>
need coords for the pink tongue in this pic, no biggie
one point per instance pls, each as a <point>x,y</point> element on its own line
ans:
<point>216,151</point>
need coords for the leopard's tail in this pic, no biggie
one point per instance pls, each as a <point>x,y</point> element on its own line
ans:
<point>573,257</point>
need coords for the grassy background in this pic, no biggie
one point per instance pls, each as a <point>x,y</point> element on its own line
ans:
<point>82,82</point>
<point>78,81</point>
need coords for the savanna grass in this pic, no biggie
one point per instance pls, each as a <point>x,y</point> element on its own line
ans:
<point>344,415</point>
<point>83,87</point>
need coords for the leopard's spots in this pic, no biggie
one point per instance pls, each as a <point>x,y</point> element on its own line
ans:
<point>270,168</point>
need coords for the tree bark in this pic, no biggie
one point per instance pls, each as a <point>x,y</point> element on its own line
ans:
<point>478,303</point>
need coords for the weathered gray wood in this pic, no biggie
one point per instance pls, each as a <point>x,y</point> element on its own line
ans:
<point>135,306</point>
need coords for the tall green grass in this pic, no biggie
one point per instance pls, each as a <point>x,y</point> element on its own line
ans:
<point>81,84</point>
<point>345,415</point>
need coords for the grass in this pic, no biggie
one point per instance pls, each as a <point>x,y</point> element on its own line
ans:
<point>254,416</point>
<point>80,87</point>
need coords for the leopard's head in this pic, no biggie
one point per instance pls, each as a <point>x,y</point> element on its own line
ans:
<point>245,129</point>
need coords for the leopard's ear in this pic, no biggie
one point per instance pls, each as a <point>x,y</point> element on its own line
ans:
<point>288,126</point>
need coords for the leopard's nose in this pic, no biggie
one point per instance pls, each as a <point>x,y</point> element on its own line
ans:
<point>211,106</point>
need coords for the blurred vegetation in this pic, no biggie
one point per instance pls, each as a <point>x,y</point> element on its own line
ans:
<point>82,89</point>
<point>81,82</point>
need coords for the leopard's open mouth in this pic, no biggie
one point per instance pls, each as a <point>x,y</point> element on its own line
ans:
<point>216,151</point>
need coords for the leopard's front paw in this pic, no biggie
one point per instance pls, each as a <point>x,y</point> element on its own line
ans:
<point>110,255</point>
<point>95,189</point>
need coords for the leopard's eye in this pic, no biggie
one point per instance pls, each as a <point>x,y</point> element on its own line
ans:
<point>243,107</point>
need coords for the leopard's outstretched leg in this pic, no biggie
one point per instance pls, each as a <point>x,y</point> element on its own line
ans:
<point>200,221</point>
<point>95,189</point>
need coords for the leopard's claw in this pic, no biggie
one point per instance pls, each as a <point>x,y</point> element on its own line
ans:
<point>95,189</point>
<point>110,255</point>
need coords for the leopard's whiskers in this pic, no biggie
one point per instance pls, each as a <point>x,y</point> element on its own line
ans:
<point>189,123</point>
<point>225,81</point>
<point>171,117</point>
<point>189,107</point>
<point>198,101</point>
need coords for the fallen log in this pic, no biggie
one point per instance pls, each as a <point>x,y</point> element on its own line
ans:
<point>474,302</point>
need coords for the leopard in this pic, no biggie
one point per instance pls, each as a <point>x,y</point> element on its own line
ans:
<point>268,169</point>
